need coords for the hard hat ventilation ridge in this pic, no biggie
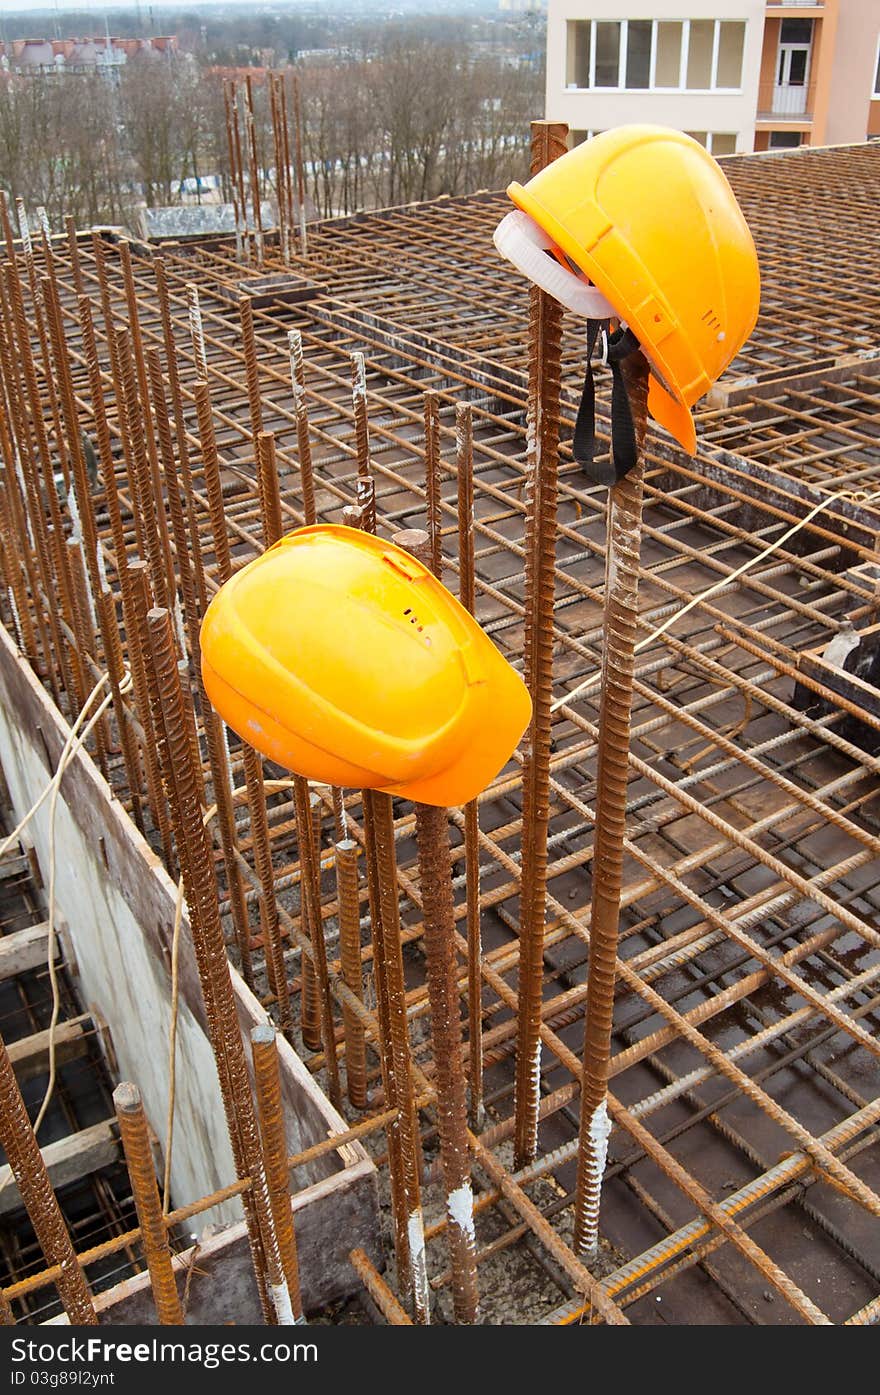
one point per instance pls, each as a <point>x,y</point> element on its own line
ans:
<point>624,452</point>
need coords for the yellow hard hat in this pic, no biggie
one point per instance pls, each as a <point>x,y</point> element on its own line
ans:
<point>648,216</point>
<point>344,659</point>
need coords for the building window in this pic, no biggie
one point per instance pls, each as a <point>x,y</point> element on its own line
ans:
<point>716,142</point>
<point>877,74</point>
<point>578,137</point>
<point>667,51</point>
<point>607,70</point>
<point>626,55</point>
<point>638,53</point>
<point>701,42</point>
<point>731,38</point>
<point>723,143</point>
<point>796,31</point>
<point>785,140</point>
<point>577,67</point>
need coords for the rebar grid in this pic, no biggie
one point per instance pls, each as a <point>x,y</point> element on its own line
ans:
<point>747,960</point>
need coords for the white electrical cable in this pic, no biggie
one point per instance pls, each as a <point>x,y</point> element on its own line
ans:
<point>74,743</point>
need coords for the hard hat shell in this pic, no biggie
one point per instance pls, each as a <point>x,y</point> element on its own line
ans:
<point>648,215</point>
<point>343,658</point>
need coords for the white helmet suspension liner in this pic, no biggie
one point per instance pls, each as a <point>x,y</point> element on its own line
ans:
<point>521,241</point>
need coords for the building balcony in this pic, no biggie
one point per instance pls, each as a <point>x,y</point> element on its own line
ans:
<point>793,9</point>
<point>781,104</point>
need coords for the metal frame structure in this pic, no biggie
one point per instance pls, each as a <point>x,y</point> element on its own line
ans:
<point>384,368</point>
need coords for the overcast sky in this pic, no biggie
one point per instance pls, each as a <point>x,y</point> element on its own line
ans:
<point>50,5</point>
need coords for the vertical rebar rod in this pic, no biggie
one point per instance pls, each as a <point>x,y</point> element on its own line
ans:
<point>84,629</point>
<point>432,482</point>
<point>300,164</point>
<point>182,784</point>
<point>273,946</point>
<point>29,531</point>
<point>116,674</point>
<point>17,544</point>
<point>545,348</point>
<point>73,254</point>
<point>39,321</point>
<point>110,629</point>
<point>251,133</point>
<point>467,596</point>
<point>180,433</point>
<point>240,232</point>
<point>148,1204</point>
<point>404,1145</point>
<point>251,367</point>
<point>26,1163</point>
<point>618,652</point>
<point>359,405</point>
<point>175,504</point>
<point>142,403</point>
<point>8,234</point>
<point>140,599</point>
<point>277,164</point>
<point>348,902</point>
<point>441,960</point>
<point>39,459</point>
<point>303,444</point>
<point>239,164</point>
<point>270,494</point>
<point>215,736</point>
<point>310,995</point>
<point>12,559</point>
<point>288,168</point>
<point>310,883</point>
<point>267,1080</point>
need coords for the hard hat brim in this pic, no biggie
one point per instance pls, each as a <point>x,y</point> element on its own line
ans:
<point>673,416</point>
<point>476,768</point>
<point>669,410</point>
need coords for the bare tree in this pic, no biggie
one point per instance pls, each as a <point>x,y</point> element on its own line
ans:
<point>160,111</point>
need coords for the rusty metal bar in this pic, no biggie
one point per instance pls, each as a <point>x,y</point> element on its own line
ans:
<point>145,1190</point>
<point>618,658</point>
<point>545,324</point>
<point>27,1166</point>
<point>268,1088</point>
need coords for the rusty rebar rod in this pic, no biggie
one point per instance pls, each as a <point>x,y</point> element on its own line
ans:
<point>251,136</point>
<point>300,164</point>
<point>182,785</point>
<point>148,1204</point>
<point>618,657</point>
<point>471,811</point>
<point>310,899</point>
<point>403,1136</point>
<point>267,1080</point>
<point>378,1290</point>
<point>438,936</point>
<point>348,902</point>
<point>26,1163</point>
<point>545,346</point>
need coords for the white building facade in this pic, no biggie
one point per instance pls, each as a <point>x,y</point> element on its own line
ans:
<point>739,75</point>
<point>667,61</point>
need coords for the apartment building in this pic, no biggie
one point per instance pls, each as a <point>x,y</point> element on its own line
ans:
<point>738,75</point>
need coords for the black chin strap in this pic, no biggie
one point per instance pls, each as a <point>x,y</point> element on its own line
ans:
<point>624,452</point>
